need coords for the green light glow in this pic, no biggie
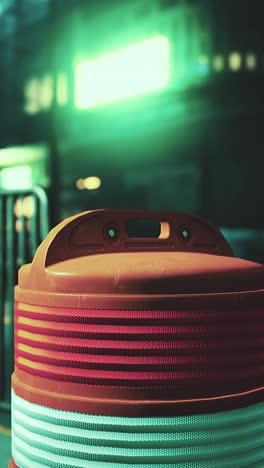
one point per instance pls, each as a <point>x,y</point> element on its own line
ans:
<point>111,233</point>
<point>218,63</point>
<point>235,61</point>
<point>18,177</point>
<point>21,155</point>
<point>185,234</point>
<point>128,72</point>
<point>62,89</point>
<point>251,61</point>
<point>203,64</point>
<point>46,93</point>
<point>31,94</point>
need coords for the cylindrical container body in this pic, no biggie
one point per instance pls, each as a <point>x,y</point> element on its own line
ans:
<point>133,352</point>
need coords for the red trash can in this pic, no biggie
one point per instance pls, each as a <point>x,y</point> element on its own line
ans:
<point>138,352</point>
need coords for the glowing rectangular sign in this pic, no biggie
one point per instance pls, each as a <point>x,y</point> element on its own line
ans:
<point>128,72</point>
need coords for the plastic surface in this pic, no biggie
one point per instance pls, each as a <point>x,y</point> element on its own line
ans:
<point>128,362</point>
<point>133,352</point>
<point>138,332</point>
<point>69,439</point>
<point>78,262</point>
<point>88,234</point>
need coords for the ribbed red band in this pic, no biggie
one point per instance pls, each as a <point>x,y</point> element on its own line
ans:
<point>198,353</point>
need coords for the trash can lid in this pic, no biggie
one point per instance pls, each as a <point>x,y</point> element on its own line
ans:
<point>91,254</point>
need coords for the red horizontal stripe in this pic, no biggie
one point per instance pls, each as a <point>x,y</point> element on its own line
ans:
<point>86,345</point>
<point>62,372</point>
<point>42,340</point>
<point>195,347</point>
<point>40,325</point>
<point>216,313</point>
<point>64,358</point>
<point>246,335</point>
<point>205,385</point>
<point>180,318</point>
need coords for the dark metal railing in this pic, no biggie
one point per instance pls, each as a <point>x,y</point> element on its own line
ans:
<point>24,222</point>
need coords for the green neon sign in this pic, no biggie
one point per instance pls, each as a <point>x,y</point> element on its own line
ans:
<point>128,72</point>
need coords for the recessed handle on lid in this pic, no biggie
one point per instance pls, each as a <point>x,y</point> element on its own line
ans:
<point>105,231</point>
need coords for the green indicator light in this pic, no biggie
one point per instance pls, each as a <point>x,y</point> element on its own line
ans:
<point>135,70</point>
<point>185,234</point>
<point>111,233</point>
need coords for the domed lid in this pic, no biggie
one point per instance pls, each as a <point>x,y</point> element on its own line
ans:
<point>92,254</point>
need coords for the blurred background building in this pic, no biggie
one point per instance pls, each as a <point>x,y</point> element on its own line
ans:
<point>147,104</point>
<point>192,140</point>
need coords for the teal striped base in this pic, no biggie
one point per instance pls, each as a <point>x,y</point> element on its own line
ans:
<point>43,437</point>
